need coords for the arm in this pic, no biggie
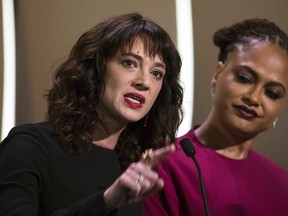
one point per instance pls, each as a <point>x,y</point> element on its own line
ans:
<point>20,180</point>
<point>129,188</point>
<point>24,162</point>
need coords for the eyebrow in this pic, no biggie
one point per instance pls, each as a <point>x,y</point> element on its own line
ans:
<point>254,74</point>
<point>140,58</point>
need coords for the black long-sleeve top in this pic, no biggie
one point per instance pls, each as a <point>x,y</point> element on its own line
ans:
<point>38,178</point>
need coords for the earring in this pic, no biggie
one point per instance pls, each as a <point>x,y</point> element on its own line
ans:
<point>274,123</point>
<point>146,119</point>
<point>212,92</point>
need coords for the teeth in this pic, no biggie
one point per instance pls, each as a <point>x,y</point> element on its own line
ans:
<point>133,100</point>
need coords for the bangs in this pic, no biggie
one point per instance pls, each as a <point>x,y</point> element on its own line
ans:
<point>152,45</point>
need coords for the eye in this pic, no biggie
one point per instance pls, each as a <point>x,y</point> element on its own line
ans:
<point>157,74</point>
<point>129,63</point>
<point>242,78</point>
<point>272,94</point>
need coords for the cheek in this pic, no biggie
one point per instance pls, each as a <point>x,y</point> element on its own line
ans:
<point>158,89</point>
<point>155,93</point>
<point>227,89</point>
<point>223,82</point>
<point>111,91</point>
<point>273,109</point>
<point>111,81</point>
<point>114,84</point>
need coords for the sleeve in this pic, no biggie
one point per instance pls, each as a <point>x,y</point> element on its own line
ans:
<point>23,161</point>
<point>20,178</point>
<point>165,202</point>
<point>92,206</point>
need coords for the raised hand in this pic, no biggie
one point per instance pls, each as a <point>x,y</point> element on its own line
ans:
<point>138,180</point>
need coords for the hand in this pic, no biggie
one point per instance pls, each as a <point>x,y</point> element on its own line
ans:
<point>137,181</point>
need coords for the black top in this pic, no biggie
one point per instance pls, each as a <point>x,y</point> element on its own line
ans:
<point>38,178</point>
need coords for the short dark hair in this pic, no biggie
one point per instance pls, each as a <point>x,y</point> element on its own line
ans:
<point>228,38</point>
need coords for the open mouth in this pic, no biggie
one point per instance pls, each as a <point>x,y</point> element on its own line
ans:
<point>135,98</point>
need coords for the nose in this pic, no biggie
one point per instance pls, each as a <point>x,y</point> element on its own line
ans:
<point>252,98</point>
<point>142,81</point>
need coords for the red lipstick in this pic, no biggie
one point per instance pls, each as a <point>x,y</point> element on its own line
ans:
<point>134,100</point>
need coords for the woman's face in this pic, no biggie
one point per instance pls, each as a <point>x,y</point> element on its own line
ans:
<point>133,81</point>
<point>251,87</point>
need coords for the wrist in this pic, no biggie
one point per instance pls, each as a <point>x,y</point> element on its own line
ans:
<point>109,206</point>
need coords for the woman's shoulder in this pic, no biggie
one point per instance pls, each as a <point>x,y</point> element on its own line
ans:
<point>34,129</point>
<point>29,135</point>
<point>179,155</point>
<point>267,163</point>
<point>27,147</point>
<point>40,127</point>
<point>187,140</point>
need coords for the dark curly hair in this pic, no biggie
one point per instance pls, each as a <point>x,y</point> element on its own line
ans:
<point>78,85</point>
<point>245,32</point>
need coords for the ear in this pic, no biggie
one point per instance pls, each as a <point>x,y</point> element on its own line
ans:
<point>217,72</point>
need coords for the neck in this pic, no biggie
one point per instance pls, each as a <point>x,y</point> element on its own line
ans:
<point>106,137</point>
<point>224,142</point>
<point>234,152</point>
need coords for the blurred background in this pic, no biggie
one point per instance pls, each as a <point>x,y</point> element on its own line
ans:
<point>47,30</point>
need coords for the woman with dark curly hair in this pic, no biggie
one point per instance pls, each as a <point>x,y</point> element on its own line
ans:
<point>116,96</point>
<point>249,89</point>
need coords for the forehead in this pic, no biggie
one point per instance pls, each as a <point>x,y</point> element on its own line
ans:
<point>267,53</point>
<point>264,58</point>
<point>146,44</point>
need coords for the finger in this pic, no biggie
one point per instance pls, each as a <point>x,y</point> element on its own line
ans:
<point>150,176</point>
<point>148,186</point>
<point>122,190</point>
<point>145,177</point>
<point>148,189</point>
<point>158,186</point>
<point>161,153</point>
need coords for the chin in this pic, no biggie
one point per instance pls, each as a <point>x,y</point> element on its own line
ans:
<point>131,119</point>
<point>132,116</point>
